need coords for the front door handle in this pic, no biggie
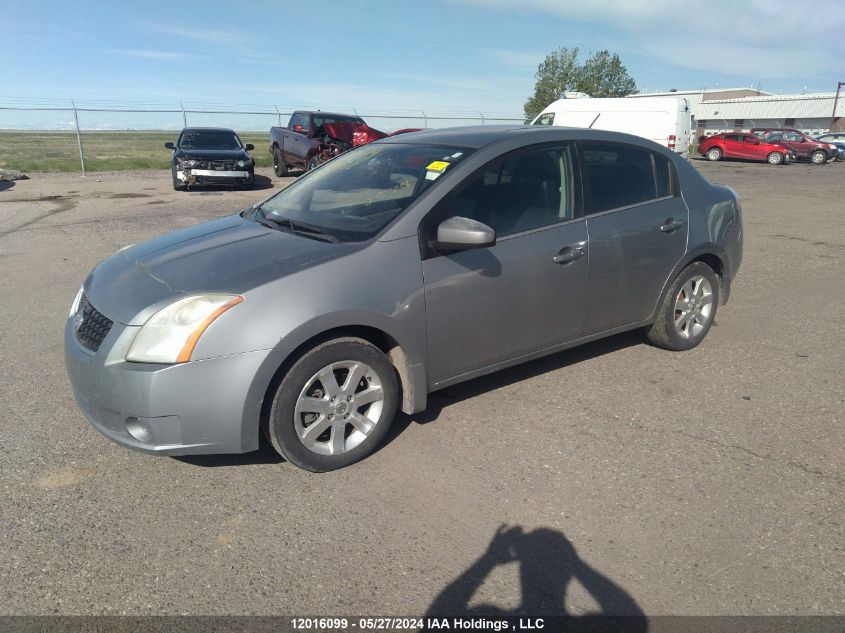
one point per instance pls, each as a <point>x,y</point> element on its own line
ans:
<point>570,253</point>
<point>671,225</point>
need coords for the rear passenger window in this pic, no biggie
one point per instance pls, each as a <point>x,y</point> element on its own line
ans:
<point>618,176</point>
<point>662,176</point>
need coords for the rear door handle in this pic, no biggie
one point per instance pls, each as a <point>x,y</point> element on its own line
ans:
<point>570,253</point>
<point>671,225</point>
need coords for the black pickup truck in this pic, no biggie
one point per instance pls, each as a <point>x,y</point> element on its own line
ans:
<point>312,138</point>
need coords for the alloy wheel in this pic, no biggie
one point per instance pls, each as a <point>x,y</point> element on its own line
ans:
<point>339,407</point>
<point>693,307</point>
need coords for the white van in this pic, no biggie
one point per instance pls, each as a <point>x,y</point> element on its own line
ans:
<point>664,120</point>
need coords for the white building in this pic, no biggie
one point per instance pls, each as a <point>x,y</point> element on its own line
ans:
<point>740,109</point>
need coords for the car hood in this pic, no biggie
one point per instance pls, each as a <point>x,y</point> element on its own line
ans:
<point>230,255</point>
<point>212,154</point>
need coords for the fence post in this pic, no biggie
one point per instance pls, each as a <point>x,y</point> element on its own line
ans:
<point>79,139</point>
<point>425,119</point>
<point>278,114</point>
<point>184,117</point>
<point>482,118</point>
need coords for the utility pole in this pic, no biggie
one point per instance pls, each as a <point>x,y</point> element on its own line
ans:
<point>839,85</point>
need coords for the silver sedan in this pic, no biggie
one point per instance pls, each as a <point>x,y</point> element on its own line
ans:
<point>394,270</point>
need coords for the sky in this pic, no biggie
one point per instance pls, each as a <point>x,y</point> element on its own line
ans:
<point>376,55</point>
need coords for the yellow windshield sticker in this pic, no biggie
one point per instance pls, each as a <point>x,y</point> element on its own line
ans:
<point>438,165</point>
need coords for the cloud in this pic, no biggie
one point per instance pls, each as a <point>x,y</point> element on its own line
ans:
<point>754,40</point>
<point>519,61</point>
<point>214,36</point>
<point>171,56</point>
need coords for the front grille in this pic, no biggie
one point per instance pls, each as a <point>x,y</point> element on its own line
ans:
<point>93,327</point>
<point>216,165</point>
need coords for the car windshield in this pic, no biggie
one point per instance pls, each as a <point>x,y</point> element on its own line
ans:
<point>355,195</point>
<point>209,139</point>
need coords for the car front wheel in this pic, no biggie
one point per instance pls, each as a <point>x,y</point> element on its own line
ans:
<point>714,153</point>
<point>687,310</point>
<point>334,406</point>
<point>178,185</point>
<point>775,158</point>
<point>818,158</point>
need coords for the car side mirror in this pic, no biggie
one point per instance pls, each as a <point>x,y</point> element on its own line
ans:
<point>460,234</point>
<point>249,147</point>
<point>298,128</point>
<point>169,146</point>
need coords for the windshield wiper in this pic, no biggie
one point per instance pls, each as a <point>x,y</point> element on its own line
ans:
<point>300,228</point>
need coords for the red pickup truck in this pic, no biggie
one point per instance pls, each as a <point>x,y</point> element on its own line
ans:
<point>311,138</point>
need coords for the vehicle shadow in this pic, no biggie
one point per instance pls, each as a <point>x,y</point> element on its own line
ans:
<point>438,400</point>
<point>6,184</point>
<point>261,182</point>
<point>548,563</point>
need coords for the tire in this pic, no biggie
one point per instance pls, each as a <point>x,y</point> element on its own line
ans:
<point>313,163</point>
<point>714,154</point>
<point>279,167</point>
<point>677,328</point>
<point>818,157</point>
<point>775,158</point>
<point>178,185</point>
<point>249,181</point>
<point>305,424</point>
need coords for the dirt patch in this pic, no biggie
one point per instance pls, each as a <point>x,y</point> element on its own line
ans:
<point>69,476</point>
<point>125,196</point>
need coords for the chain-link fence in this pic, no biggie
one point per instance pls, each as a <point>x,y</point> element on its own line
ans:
<point>80,137</point>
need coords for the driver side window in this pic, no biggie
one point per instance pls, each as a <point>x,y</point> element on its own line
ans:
<point>517,193</point>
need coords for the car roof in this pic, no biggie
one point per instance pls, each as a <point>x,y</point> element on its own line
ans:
<point>478,136</point>
<point>322,113</point>
<point>208,129</point>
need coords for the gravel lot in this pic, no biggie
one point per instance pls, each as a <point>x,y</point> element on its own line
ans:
<point>705,482</point>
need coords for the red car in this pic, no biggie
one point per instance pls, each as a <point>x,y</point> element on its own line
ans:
<point>741,145</point>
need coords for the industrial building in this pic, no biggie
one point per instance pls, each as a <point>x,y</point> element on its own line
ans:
<point>740,109</point>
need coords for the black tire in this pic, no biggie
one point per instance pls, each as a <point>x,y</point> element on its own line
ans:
<point>775,158</point>
<point>281,427</point>
<point>279,167</point>
<point>178,185</point>
<point>664,332</point>
<point>249,181</point>
<point>313,163</point>
<point>818,157</point>
<point>714,154</point>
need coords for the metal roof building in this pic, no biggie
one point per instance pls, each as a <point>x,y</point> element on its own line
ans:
<point>811,113</point>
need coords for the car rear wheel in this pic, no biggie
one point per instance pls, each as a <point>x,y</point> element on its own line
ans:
<point>334,406</point>
<point>775,158</point>
<point>687,310</point>
<point>249,181</point>
<point>818,158</point>
<point>714,153</point>
<point>279,167</point>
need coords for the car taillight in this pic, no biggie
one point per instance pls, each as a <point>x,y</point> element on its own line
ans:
<point>672,139</point>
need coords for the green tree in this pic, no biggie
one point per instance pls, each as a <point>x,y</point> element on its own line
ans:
<point>601,75</point>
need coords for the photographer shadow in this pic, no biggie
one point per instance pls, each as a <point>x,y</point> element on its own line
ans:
<point>547,563</point>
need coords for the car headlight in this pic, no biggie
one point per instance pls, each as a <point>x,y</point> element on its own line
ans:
<point>74,307</point>
<point>245,163</point>
<point>170,335</point>
<point>831,146</point>
<point>188,162</point>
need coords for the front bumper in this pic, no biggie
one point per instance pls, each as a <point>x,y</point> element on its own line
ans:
<point>187,409</point>
<point>191,175</point>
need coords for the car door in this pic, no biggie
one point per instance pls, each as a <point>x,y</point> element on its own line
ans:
<point>637,224</point>
<point>752,147</point>
<point>526,293</point>
<point>732,147</point>
<point>296,142</point>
